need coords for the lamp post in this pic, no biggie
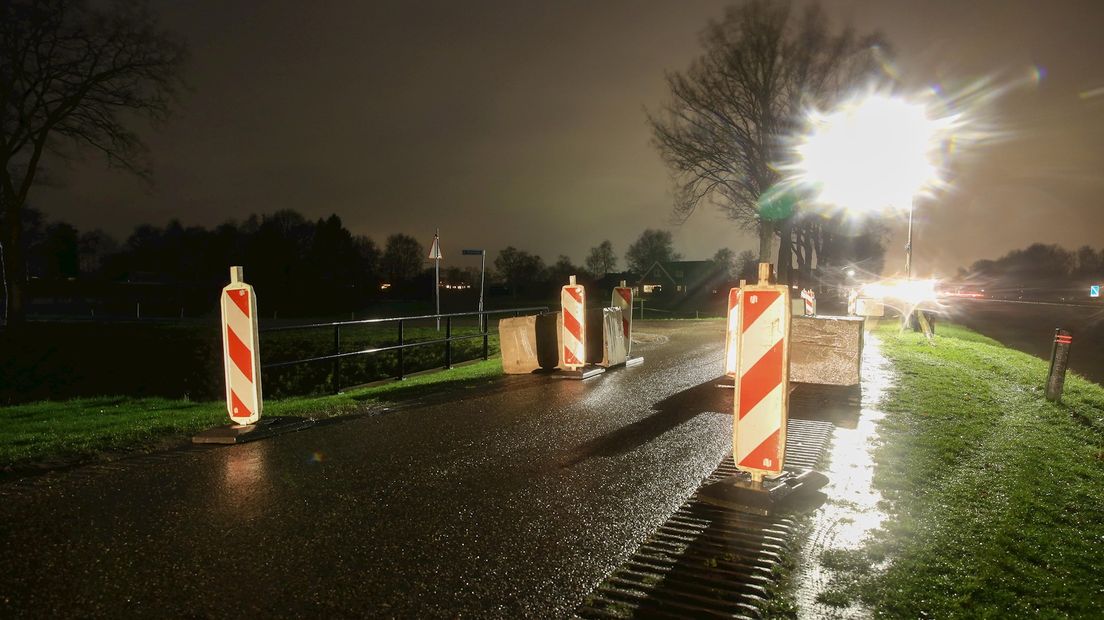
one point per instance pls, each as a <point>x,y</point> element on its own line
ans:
<point>908,243</point>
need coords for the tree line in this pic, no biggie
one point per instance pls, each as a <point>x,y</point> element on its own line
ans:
<point>1037,270</point>
<point>306,265</point>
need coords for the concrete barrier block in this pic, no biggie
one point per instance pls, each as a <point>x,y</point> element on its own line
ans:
<point>594,336</point>
<point>549,340</point>
<point>826,350</point>
<point>517,338</point>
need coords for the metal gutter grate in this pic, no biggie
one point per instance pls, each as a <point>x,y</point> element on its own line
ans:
<point>707,561</point>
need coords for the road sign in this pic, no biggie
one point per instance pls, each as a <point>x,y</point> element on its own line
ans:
<point>469,252</point>
<point>1094,290</point>
<point>241,357</point>
<point>435,256</point>
<point>759,431</point>
<point>435,248</point>
<point>573,300</point>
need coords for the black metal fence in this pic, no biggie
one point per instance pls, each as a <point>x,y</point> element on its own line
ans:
<point>401,323</point>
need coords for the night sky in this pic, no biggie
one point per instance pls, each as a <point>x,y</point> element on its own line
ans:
<point>522,123</point>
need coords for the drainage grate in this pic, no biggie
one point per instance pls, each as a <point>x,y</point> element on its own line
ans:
<point>706,561</point>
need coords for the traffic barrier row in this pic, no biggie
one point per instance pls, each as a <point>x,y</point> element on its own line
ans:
<point>577,341</point>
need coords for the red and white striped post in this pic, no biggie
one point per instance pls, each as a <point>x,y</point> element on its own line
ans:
<point>762,377</point>
<point>622,298</point>
<point>240,350</point>
<point>573,301</point>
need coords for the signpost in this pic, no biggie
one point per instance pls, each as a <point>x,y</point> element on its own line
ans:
<point>435,256</point>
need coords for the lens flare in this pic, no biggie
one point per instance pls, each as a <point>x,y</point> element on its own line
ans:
<point>873,152</point>
<point>911,293</point>
<point>904,295</point>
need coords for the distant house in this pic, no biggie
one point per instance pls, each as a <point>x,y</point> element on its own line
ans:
<point>688,284</point>
<point>615,278</point>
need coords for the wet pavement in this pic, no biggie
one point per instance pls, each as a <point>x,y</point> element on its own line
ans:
<point>852,510</point>
<point>513,501</point>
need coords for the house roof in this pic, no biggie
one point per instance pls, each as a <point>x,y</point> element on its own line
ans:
<point>684,272</point>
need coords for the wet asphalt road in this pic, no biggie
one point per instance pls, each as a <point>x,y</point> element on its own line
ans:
<point>1029,327</point>
<point>508,502</point>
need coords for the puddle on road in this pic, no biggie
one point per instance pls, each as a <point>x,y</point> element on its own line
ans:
<point>851,512</point>
<point>644,338</point>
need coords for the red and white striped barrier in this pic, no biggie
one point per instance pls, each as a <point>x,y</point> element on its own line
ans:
<point>732,332</point>
<point>240,351</point>
<point>810,301</point>
<point>622,298</point>
<point>759,432</point>
<point>573,300</point>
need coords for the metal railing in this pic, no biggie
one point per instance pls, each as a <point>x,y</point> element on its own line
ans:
<point>401,322</point>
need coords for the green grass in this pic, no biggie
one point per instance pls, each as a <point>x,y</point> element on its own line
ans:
<point>64,432</point>
<point>995,496</point>
<point>58,361</point>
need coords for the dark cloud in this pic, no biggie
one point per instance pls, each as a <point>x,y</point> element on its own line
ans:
<point>509,123</point>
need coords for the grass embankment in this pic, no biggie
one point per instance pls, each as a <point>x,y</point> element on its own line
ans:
<point>995,496</point>
<point>64,432</point>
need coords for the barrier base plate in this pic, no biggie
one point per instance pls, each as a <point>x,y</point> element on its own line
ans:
<point>584,372</point>
<point>740,493</point>
<point>265,427</point>
<point>632,361</point>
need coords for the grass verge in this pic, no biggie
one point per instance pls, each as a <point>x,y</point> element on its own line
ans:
<point>995,496</point>
<point>54,433</point>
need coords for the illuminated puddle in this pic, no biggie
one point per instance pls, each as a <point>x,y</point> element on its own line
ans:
<point>851,512</point>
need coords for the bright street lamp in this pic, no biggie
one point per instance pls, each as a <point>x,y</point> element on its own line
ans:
<point>873,153</point>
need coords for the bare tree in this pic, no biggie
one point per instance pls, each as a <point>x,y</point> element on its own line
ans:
<point>724,130</point>
<point>403,258</point>
<point>650,247</point>
<point>72,74</point>
<point>601,260</point>
<point>725,259</point>
<point>519,269</point>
